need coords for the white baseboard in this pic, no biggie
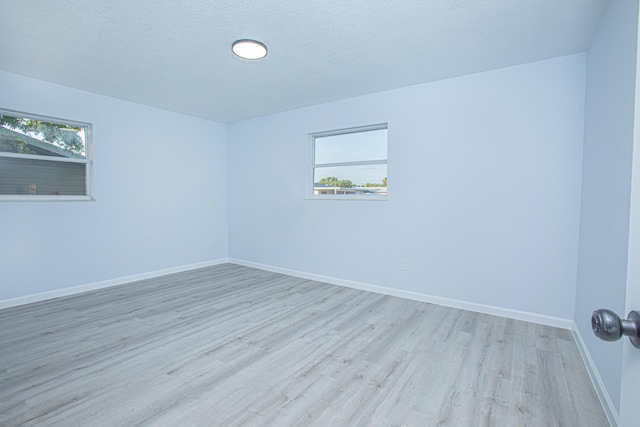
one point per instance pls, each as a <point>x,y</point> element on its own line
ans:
<point>447,302</point>
<point>28,299</point>
<point>598,384</point>
<point>557,322</point>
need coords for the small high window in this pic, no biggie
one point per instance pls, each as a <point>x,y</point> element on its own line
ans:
<point>43,158</point>
<point>350,163</point>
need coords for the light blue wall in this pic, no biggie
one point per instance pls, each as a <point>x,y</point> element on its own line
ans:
<point>160,189</point>
<point>608,145</point>
<point>484,189</point>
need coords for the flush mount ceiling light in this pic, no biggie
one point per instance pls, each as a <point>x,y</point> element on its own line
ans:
<point>249,49</point>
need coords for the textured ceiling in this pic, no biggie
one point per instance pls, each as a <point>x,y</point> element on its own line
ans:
<point>177,55</point>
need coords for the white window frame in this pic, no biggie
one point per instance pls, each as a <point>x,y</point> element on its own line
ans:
<point>87,161</point>
<point>314,165</point>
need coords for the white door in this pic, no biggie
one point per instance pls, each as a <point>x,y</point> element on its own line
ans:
<point>630,383</point>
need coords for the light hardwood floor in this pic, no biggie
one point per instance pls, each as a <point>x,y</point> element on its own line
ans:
<point>231,345</point>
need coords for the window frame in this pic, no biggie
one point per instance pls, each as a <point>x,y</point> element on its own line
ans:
<point>87,161</point>
<point>314,165</point>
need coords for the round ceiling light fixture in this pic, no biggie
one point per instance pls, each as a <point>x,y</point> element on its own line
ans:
<point>249,49</point>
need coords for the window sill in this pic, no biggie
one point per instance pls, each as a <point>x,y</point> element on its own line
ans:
<point>345,197</point>
<point>43,198</point>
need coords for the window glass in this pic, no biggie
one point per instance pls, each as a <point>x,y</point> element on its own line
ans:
<point>41,177</point>
<point>351,147</point>
<point>351,162</point>
<point>42,156</point>
<point>363,179</point>
<point>23,135</point>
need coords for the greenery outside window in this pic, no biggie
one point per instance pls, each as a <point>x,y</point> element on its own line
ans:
<point>350,163</point>
<point>44,158</point>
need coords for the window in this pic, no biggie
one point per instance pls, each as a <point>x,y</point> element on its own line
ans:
<point>42,158</point>
<point>350,163</point>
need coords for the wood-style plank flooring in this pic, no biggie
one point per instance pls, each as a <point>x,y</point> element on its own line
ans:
<point>235,346</point>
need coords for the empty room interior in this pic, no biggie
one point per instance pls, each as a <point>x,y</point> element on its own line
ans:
<point>380,214</point>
